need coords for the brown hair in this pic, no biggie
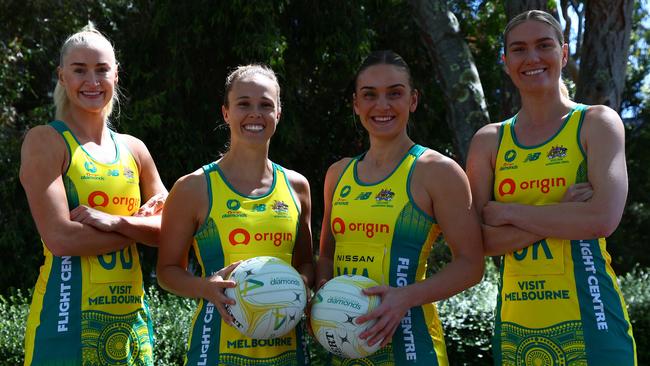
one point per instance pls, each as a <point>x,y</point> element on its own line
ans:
<point>384,57</point>
<point>249,70</point>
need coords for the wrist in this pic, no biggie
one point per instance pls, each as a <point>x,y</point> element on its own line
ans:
<point>409,294</point>
<point>118,223</point>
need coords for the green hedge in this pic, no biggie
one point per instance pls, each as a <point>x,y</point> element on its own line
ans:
<point>466,318</point>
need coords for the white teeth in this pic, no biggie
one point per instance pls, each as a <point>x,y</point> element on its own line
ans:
<point>93,94</point>
<point>534,72</point>
<point>382,118</point>
<point>253,128</point>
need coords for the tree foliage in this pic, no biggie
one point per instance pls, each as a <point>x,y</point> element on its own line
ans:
<point>174,58</point>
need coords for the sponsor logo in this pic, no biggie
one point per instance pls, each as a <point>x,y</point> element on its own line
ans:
<point>339,227</point>
<point>280,207</point>
<point>520,255</point>
<point>406,324</point>
<point>253,343</point>
<point>532,157</point>
<point>128,173</point>
<point>102,199</point>
<point>363,196</point>
<point>242,236</point>
<point>557,152</point>
<point>284,281</point>
<point>90,167</point>
<point>385,195</point>
<point>331,342</point>
<point>341,200</point>
<point>261,207</point>
<point>509,157</point>
<point>233,205</point>
<point>508,186</point>
<point>594,285</point>
<point>233,209</point>
<point>206,334</point>
<point>344,301</point>
<point>355,258</point>
<point>113,173</point>
<point>64,294</point>
<point>91,172</point>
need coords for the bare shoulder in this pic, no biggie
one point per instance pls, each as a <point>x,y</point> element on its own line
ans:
<point>42,137</point>
<point>487,137</point>
<point>43,148</point>
<point>298,181</point>
<point>602,118</point>
<point>194,184</point>
<point>434,166</point>
<point>135,145</point>
<point>335,170</point>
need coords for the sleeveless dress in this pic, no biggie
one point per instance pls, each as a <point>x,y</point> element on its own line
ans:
<point>239,227</point>
<point>90,310</point>
<point>559,302</point>
<point>380,233</point>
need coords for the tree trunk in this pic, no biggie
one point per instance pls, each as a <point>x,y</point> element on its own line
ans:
<point>604,52</point>
<point>455,69</point>
<point>511,100</point>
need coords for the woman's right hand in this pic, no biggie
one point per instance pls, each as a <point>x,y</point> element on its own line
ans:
<point>215,291</point>
<point>320,284</point>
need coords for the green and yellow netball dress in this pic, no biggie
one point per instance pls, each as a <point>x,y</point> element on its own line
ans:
<point>381,234</point>
<point>239,227</point>
<point>91,310</point>
<point>559,303</point>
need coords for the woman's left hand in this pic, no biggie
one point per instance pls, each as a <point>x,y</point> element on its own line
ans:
<point>389,314</point>
<point>95,218</point>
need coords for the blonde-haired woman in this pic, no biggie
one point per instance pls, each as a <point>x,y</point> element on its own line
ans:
<point>84,184</point>
<point>551,183</point>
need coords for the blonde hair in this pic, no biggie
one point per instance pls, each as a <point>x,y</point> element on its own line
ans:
<point>85,37</point>
<point>542,17</point>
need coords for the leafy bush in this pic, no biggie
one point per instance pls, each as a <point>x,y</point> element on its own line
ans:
<point>172,316</point>
<point>13,315</point>
<point>635,286</point>
<point>468,319</point>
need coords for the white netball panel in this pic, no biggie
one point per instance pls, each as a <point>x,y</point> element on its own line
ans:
<point>270,297</point>
<point>334,311</point>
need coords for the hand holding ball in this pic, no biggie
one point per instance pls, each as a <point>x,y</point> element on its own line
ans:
<point>269,297</point>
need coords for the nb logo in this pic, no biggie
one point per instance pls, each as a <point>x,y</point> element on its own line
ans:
<point>363,196</point>
<point>532,157</point>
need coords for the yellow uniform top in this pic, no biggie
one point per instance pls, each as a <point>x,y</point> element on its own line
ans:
<point>559,303</point>
<point>90,310</point>
<point>380,233</point>
<point>240,227</point>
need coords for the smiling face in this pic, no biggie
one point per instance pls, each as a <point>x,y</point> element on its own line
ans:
<point>89,75</point>
<point>252,111</point>
<point>383,100</point>
<point>533,57</point>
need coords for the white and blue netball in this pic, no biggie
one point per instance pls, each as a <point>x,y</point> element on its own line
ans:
<point>335,308</point>
<point>270,297</point>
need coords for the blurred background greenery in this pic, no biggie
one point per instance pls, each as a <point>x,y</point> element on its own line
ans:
<point>174,57</point>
